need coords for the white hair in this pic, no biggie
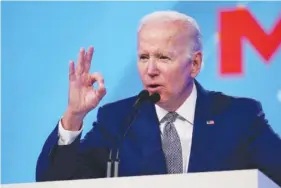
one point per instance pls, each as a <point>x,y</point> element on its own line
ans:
<point>172,16</point>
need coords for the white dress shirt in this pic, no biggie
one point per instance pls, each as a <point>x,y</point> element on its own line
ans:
<point>183,124</point>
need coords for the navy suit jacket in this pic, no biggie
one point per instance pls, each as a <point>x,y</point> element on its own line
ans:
<point>240,138</point>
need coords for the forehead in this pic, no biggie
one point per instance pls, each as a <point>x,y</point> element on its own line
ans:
<point>163,36</point>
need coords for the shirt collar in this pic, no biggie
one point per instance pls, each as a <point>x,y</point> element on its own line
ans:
<point>186,110</point>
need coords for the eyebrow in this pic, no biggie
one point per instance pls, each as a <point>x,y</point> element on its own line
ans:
<point>170,54</point>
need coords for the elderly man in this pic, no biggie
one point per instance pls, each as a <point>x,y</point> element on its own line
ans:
<point>189,129</point>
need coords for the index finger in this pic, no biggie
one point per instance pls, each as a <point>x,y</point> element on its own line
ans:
<point>97,77</point>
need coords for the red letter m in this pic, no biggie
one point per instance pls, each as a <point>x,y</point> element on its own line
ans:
<point>237,24</point>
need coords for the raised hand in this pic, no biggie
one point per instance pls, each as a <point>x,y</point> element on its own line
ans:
<point>82,96</point>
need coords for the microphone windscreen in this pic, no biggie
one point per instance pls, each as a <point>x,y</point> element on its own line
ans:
<point>143,94</point>
<point>155,97</point>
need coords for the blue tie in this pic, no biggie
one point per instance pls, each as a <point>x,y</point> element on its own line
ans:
<point>171,144</point>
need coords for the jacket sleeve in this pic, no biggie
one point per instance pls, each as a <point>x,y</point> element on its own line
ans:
<point>265,146</point>
<point>82,159</point>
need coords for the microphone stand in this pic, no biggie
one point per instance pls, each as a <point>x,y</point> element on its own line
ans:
<point>117,159</point>
<point>155,97</point>
<point>143,95</point>
<point>109,165</point>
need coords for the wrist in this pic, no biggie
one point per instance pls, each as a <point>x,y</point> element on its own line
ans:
<point>72,121</point>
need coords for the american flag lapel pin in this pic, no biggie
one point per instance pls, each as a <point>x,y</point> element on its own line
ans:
<point>210,122</point>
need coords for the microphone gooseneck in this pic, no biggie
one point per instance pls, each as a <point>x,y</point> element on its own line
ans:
<point>142,96</point>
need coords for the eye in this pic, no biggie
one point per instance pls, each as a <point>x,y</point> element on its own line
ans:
<point>164,57</point>
<point>143,57</point>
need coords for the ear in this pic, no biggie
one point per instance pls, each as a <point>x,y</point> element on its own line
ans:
<point>196,64</point>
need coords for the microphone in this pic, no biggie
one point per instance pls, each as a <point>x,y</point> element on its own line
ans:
<point>142,96</point>
<point>155,97</point>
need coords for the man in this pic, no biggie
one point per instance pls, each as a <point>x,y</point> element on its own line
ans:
<point>189,129</point>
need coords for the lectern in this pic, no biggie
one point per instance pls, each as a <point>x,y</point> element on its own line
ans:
<point>222,179</point>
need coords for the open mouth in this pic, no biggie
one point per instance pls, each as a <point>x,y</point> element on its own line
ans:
<point>153,86</point>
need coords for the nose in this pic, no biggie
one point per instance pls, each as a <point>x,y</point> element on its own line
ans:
<point>152,69</point>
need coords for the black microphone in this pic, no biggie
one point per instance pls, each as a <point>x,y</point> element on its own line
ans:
<point>154,98</point>
<point>142,96</point>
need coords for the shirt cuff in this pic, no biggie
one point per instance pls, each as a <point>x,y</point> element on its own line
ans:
<point>67,137</point>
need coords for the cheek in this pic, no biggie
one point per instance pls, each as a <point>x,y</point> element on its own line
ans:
<point>170,81</point>
<point>141,69</point>
<point>175,79</point>
<point>171,74</point>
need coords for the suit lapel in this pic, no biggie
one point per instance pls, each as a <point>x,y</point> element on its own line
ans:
<point>202,132</point>
<point>148,135</point>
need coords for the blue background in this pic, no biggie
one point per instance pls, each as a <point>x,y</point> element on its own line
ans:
<point>39,39</point>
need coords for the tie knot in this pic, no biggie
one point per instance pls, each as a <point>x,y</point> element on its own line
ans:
<point>170,117</point>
